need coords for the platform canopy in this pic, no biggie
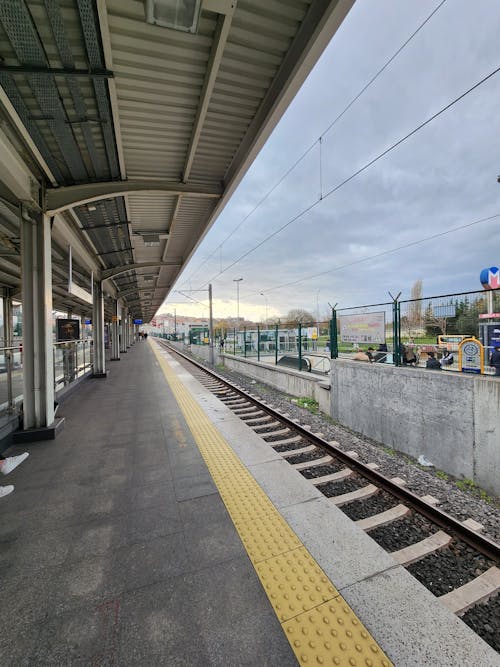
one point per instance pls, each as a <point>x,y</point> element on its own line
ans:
<point>131,123</point>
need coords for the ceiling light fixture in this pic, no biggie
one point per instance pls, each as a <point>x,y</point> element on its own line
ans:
<point>151,240</point>
<point>177,14</point>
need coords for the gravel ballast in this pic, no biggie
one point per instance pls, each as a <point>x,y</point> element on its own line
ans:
<point>462,504</point>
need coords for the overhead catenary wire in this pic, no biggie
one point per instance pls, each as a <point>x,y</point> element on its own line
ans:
<point>359,171</point>
<point>377,255</point>
<point>319,141</point>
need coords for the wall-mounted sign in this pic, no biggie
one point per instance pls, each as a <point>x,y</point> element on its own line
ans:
<point>137,321</point>
<point>490,278</point>
<point>471,356</point>
<point>67,330</point>
<point>365,328</point>
<point>74,289</point>
<point>489,316</point>
<point>88,321</point>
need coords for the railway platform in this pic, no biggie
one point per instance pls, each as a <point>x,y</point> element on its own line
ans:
<point>158,529</point>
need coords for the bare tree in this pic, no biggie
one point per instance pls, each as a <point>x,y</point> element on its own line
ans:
<point>413,320</point>
<point>432,320</point>
<point>299,315</point>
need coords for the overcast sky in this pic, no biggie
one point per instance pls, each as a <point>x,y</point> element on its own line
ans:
<point>442,177</point>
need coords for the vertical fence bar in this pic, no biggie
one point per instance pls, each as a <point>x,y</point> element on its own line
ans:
<point>258,343</point>
<point>396,328</point>
<point>276,342</point>
<point>244,342</point>
<point>300,346</point>
<point>399,332</point>
<point>234,341</point>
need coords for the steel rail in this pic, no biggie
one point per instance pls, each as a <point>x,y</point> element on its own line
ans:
<point>483,544</point>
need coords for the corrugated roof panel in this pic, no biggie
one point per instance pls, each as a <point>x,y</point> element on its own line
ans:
<point>188,226</point>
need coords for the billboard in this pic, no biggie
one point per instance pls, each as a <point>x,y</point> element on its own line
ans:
<point>364,328</point>
<point>67,330</point>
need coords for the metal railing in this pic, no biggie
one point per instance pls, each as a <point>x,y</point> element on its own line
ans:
<point>11,377</point>
<point>71,361</point>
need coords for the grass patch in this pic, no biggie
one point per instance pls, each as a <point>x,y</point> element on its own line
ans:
<point>442,475</point>
<point>389,450</point>
<point>469,486</point>
<point>308,403</point>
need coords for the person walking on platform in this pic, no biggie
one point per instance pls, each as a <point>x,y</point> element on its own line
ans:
<point>7,465</point>
<point>495,360</point>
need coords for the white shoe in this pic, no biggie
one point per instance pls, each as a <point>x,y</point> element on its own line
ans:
<point>5,490</point>
<point>8,465</point>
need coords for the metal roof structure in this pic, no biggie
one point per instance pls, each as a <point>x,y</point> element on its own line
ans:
<point>140,133</point>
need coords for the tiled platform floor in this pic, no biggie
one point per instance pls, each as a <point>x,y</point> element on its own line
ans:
<point>115,547</point>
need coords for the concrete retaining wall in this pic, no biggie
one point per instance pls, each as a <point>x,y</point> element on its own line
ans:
<point>450,418</point>
<point>285,379</point>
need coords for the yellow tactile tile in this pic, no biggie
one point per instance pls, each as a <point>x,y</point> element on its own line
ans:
<point>266,537</point>
<point>331,634</point>
<point>319,624</point>
<point>295,583</point>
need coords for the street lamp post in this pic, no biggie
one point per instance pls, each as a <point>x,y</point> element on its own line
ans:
<point>237,281</point>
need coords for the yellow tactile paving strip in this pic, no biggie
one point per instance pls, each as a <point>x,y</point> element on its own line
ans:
<point>321,627</point>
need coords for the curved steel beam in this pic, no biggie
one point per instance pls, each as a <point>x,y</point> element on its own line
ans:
<point>60,199</point>
<point>118,270</point>
<point>130,292</point>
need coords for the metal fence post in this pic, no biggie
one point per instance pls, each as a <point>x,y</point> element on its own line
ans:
<point>276,342</point>
<point>234,341</point>
<point>300,346</point>
<point>334,343</point>
<point>258,343</point>
<point>396,329</point>
<point>244,342</point>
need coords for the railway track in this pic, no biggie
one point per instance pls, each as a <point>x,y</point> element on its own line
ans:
<point>450,557</point>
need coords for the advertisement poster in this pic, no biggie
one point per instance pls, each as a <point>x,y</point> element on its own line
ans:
<point>67,330</point>
<point>363,328</point>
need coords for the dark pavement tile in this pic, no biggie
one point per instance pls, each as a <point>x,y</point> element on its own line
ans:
<point>187,488</point>
<point>203,511</point>
<point>218,616</point>
<point>145,563</point>
<point>144,475</point>
<point>160,494</point>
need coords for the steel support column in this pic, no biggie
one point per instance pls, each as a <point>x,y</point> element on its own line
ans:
<point>38,375</point>
<point>115,333</point>
<point>123,332</point>
<point>7,341</point>
<point>99,370</point>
